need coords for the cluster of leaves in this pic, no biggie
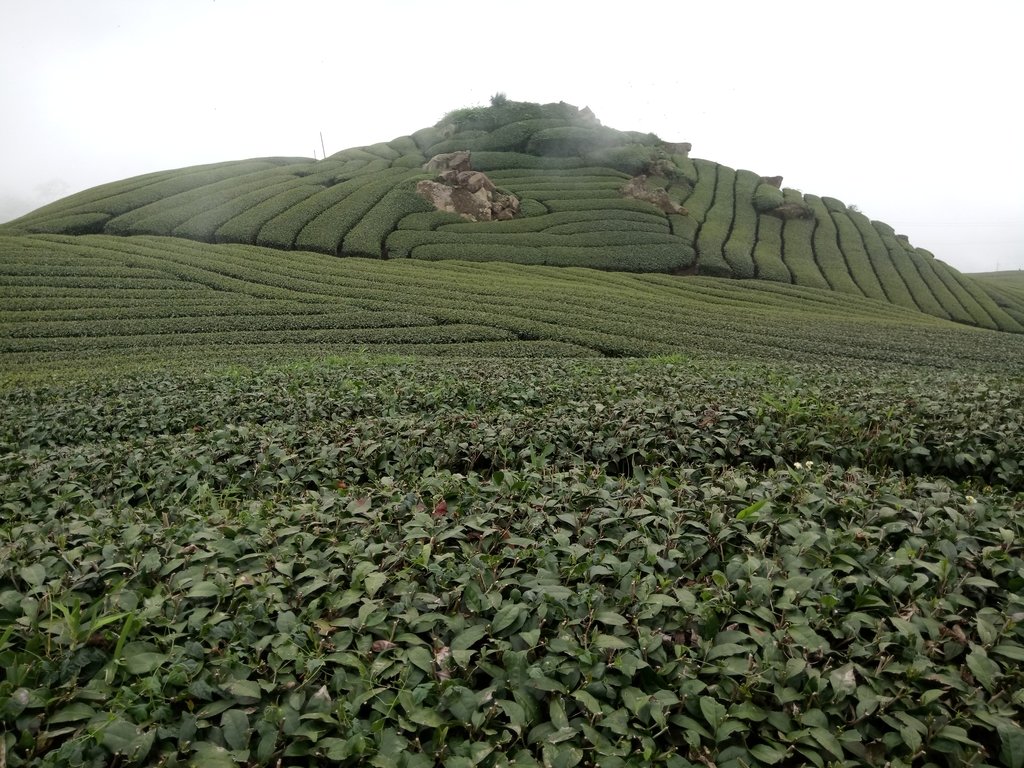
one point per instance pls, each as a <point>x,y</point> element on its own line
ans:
<point>607,563</point>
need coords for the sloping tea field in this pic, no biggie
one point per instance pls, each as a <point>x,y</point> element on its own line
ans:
<point>474,562</point>
<point>553,490</point>
<point>79,301</point>
<point>570,174</point>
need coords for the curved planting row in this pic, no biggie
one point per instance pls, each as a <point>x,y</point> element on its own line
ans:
<point>577,181</point>
<point>249,297</point>
<point>714,230</point>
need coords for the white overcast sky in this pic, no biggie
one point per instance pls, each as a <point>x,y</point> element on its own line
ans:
<point>909,109</point>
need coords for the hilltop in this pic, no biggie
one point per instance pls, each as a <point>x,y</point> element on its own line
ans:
<point>537,185</point>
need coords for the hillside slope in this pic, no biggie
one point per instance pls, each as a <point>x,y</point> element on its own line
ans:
<point>587,195</point>
<point>98,299</point>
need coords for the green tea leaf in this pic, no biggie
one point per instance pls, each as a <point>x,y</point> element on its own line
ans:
<point>234,724</point>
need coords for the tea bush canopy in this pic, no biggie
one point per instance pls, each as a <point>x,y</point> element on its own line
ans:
<point>663,465</point>
<point>561,163</point>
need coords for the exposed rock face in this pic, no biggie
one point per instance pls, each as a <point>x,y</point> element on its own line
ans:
<point>791,211</point>
<point>459,189</point>
<point>678,147</point>
<point>637,189</point>
<point>775,181</point>
<point>451,161</point>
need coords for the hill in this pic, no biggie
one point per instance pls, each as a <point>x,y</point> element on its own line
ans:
<point>575,193</point>
<point>607,506</point>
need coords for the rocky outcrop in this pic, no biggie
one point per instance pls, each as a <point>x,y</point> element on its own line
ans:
<point>678,147</point>
<point>450,161</point>
<point>775,181</point>
<point>459,189</point>
<point>637,189</point>
<point>791,211</point>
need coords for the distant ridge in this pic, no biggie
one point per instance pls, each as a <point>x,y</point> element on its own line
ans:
<point>575,192</point>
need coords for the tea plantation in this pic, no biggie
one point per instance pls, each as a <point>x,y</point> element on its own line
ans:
<point>556,490</point>
<point>569,172</point>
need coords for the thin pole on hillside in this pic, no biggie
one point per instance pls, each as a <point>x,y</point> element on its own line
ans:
<point>322,144</point>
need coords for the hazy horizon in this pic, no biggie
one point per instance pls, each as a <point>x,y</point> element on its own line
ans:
<point>907,111</point>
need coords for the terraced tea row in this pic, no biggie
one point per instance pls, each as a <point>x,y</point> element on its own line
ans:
<point>80,298</point>
<point>578,208</point>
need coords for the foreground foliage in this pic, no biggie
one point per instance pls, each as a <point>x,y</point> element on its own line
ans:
<point>608,563</point>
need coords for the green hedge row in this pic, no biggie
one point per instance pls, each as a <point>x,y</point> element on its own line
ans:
<point>609,225</point>
<point>246,227</point>
<point>463,140</point>
<point>833,204</point>
<point>857,260</point>
<point>359,154</point>
<point>120,197</point>
<point>561,184</point>
<point>715,228</point>
<point>544,221</point>
<point>767,198</point>
<point>892,282</point>
<point>684,227</point>
<point>612,205</point>
<point>325,233</point>
<point>544,195</point>
<point>924,261</point>
<point>500,161</point>
<point>410,161</point>
<point>429,220</point>
<point>203,225</point>
<point>649,258</point>
<point>540,175</point>
<point>192,185</point>
<point>571,140</point>
<point>768,251</point>
<point>710,242</point>
<point>283,230</point>
<point>923,296</point>
<point>72,224</point>
<point>383,149</point>
<point>87,202</point>
<point>700,199</point>
<point>632,159</point>
<point>367,237</point>
<point>957,286</point>
<point>405,145</point>
<point>163,216</point>
<point>530,207</point>
<point>402,241</point>
<point>739,247</point>
<point>798,247</point>
<point>425,138</point>
<point>829,256</point>
<point>1003,320</point>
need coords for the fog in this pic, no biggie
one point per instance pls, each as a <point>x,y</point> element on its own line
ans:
<point>907,110</point>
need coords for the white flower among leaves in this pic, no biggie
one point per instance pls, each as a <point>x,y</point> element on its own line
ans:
<point>797,465</point>
<point>971,500</point>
